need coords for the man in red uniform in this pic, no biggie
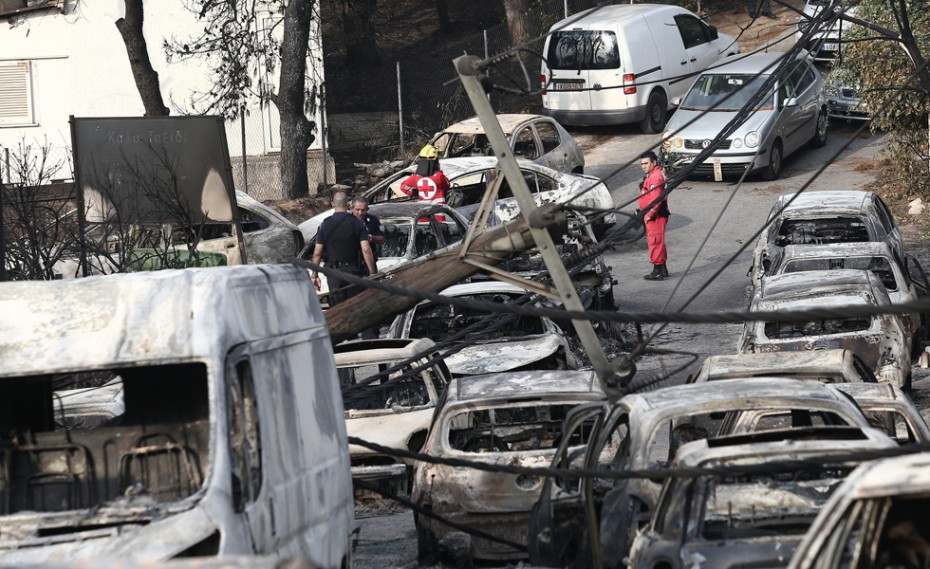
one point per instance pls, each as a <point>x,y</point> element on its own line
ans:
<point>655,216</point>
<point>429,183</point>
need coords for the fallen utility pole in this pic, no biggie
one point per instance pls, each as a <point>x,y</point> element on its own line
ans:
<point>433,273</point>
<point>468,68</point>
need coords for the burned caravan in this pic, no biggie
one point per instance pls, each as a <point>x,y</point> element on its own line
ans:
<point>218,429</point>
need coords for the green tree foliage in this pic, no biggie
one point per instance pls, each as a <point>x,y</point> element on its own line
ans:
<point>896,96</point>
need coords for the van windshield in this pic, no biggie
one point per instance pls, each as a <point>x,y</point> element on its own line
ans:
<point>583,49</point>
<point>725,92</point>
<point>82,439</point>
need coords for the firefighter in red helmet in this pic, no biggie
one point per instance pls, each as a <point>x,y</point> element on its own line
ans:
<point>429,183</point>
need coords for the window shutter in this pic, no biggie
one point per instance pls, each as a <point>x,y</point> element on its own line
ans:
<point>16,94</point>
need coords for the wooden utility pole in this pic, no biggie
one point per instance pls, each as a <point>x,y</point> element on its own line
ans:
<point>433,273</point>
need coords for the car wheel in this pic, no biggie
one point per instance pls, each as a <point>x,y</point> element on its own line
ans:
<point>656,107</point>
<point>820,135</point>
<point>773,170</point>
<point>427,546</point>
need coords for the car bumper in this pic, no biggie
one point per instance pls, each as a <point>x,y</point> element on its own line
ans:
<point>733,164</point>
<point>593,118</point>
<point>511,526</point>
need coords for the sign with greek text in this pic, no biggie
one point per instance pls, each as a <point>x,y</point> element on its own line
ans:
<point>153,170</point>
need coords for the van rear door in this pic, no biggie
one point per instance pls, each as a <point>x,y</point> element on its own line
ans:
<point>580,61</point>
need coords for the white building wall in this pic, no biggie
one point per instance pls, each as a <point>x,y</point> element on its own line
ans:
<point>80,67</point>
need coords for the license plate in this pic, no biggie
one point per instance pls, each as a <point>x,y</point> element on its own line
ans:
<point>831,46</point>
<point>568,86</point>
<point>718,171</point>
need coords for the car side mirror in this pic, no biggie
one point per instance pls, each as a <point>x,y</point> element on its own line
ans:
<point>792,102</point>
<point>713,32</point>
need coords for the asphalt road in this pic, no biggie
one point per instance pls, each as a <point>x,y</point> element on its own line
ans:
<point>710,238</point>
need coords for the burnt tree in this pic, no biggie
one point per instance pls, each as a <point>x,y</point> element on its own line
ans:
<point>145,76</point>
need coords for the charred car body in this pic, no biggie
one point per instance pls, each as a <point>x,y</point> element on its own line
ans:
<point>877,518</point>
<point>217,447</point>
<point>874,256</point>
<point>752,519</point>
<point>825,366</point>
<point>508,419</point>
<point>880,340</point>
<point>576,523</point>
<point>825,218</point>
<point>390,390</point>
<point>890,410</point>
<point>497,344</point>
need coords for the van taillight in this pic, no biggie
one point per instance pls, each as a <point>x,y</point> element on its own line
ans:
<point>629,78</point>
<point>542,81</point>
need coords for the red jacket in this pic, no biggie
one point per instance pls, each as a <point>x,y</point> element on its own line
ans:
<point>653,186</point>
<point>430,188</point>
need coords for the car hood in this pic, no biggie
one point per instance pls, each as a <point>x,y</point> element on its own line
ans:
<point>503,355</point>
<point>386,427</point>
<point>700,125</point>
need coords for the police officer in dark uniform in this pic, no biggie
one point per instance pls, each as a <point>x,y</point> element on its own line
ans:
<point>344,240</point>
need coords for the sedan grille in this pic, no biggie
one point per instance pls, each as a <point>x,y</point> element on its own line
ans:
<point>695,144</point>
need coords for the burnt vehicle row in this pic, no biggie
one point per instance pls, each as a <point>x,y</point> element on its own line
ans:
<point>595,522</point>
<point>836,249</point>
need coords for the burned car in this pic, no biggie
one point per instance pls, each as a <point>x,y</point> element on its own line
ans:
<point>390,388</point>
<point>880,340</point>
<point>470,176</point>
<point>577,520</point>
<point>645,430</point>
<point>754,518</point>
<point>533,137</point>
<point>825,218</point>
<point>182,413</point>
<point>512,419</point>
<point>890,410</point>
<point>269,237</point>
<point>876,519</point>
<point>495,342</point>
<point>825,366</point>
<point>874,256</point>
<point>592,278</point>
<point>411,230</point>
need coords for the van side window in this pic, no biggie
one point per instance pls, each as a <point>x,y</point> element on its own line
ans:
<point>583,49</point>
<point>244,437</point>
<point>692,30</point>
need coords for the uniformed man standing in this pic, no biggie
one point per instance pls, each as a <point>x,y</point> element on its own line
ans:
<point>343,238</point>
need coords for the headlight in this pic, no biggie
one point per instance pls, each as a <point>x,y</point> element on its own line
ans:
<point>753,139</point>
<point>737,143</point>
<point>669,142</point>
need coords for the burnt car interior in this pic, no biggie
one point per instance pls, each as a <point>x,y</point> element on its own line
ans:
<point>731,504</point>
<point>56,456</point>
<point>822,231</point>
<point>512,429</point>
<point>405,387</point>
<point>441,321</point>
<point>781,330</point>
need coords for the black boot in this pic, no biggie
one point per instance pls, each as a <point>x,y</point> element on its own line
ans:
<point>663,270</point>
<point>655,275</point>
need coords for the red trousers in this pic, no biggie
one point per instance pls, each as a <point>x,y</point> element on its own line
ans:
<point>655,236</point>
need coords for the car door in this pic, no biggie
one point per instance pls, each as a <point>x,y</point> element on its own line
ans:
<point>800,105</point>
<point>554,153</point>
<point>895,239</point>
<point>699,47</point>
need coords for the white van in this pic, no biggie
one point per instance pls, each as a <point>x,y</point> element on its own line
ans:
<point>626,63</point>
<point>219,429</point>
